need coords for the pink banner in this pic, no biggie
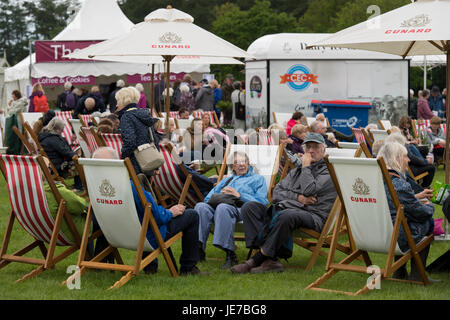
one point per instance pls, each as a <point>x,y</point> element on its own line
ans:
<point>147,78</point>
<point>53,51</point>
<point>90,80</point>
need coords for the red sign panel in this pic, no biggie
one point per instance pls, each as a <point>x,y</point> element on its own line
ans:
<point>53,51</point>
<point>147,78</point>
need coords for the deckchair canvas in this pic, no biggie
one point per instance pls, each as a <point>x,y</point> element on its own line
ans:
<point>29,207</point>
<point>112,201</point>
<point>265,137</point>
<point>67,132</point>
<point>281,118</point>
<point>183,123</point>
<point>113,140</point>
<point>379,134</point>
<point>212,116</point>
<point>30,117</point>
<point>76,126</point>
<point>91,141</point>
<point>385,124</point>
<point>360,187</point>
<point>347,145</point>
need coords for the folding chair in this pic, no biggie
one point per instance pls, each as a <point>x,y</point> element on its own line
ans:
<point>281,118</point>
<point>183,123</point>
<point>29,206</point>
<point>76,126</point>
<point>30,117</point>
<point>170,182</point>
<point>360,187</point>
<point>90,138</point>
<point>347,145</point>
<point>34,148</point>
<point>113,203</point>
<point>65,116</point>
<point>376,135</point>
<point>385,124</point>
<point>113,140</point>
<point>212,116</point>
<point>174,115</point>
<point>265,138</point>
<point>85,119</point>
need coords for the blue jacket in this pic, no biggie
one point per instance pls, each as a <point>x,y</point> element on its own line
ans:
<point>251,186</point>
<point>418,215</point>
<point>162,216</point>
<point>437,104</point>
<point>134,125</point>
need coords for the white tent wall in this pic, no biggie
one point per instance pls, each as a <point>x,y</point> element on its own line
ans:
<point>342,74</point>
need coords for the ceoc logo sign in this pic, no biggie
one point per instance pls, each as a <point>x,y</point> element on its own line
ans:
<point>299,78</point>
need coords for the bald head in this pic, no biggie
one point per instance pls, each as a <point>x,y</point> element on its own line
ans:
<point>105,153</point>
<point>89,103</point>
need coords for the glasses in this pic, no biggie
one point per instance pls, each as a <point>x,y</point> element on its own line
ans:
<point>240,163</point>
<point>313,146</point>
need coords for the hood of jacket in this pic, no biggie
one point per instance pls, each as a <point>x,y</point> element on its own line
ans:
<point>37,93</point>
<point>45,135</point>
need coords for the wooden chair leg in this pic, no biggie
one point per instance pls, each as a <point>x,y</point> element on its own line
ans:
<point>122,280</point>
<point>32,274</point>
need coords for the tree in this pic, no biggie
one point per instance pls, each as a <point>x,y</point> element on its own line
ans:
<point>318,17</point>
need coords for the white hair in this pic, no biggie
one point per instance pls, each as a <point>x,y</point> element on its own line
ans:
<point>120,83</point>
<point>184,88</point>
<point>396,137</point>
<point>232,156</point>
<point>68,85</point>
<point>55,126</point>
<point>140,87</point>
<point>392,154</point>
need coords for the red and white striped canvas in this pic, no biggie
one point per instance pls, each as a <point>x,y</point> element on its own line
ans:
<point>86,118</point>
<point>91,143</point>
<point>169,181</point>
<point>113,140</point>
<point>199,114</point>
<point>359,135</point>
<point>27,197</point>
<point>265,138</point>
<point>174,114</point>
<point>444,128</point>
<point>67,133</point>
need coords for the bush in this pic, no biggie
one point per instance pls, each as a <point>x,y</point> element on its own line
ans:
<point>225,106</point>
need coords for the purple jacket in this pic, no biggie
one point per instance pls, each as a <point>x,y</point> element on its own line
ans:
<point>297,145</point>
<point>34,94</point>
<point>142,101</point>
<point>423,110</point>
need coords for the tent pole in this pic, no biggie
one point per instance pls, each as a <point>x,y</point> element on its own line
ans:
<point>447,114</point>
<point>425,72</point>
<point>152,93</point>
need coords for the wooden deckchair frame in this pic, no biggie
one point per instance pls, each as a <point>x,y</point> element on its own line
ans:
<point>390,266</point>
<point>48,253</point>
<point>382,126</point>
<point>139,263</point>
<point>367,137</point>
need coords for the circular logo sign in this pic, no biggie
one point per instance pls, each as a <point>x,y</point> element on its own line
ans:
<point>299,78</point>
<point>255,87</point>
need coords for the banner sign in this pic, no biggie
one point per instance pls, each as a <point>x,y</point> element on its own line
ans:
<point>53,51</point>
<point>79,80</point>
<point>147,78</point>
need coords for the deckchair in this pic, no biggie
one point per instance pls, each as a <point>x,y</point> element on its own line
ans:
<point>347,145</point>
<point>376,135</point>
<point>310,120</point>
<point>89,133</point>
<point>115,211</point>
<point>67,133</point>
<point>183,123</point>
<point>281,118</point>
<point>265,137</point>
<point>171,183</point>
<point>360,187</point>
<point>336,152</point>
<point>30,117</point>
<point>35,148</point>
<point>212,116</point>
<point>174,115</point>
<point>113,140</point>
<point>29,206</point>
<point>85,119</point>
<point>76,126</point>
<point>385,124</point>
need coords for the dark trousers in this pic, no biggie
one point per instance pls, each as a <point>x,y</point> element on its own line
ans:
<point>428,179</point>
<point>188,224</point>
<point>253,214</point>
<point>438,154</point>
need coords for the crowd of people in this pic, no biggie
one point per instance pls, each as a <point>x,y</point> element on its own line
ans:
<point>301,199</point>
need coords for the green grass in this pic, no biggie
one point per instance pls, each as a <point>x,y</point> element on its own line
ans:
<point>220,284</point>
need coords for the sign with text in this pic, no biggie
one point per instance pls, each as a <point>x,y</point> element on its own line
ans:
<point>57,81</point>
<point>147,78</point>
<point>53,51</point>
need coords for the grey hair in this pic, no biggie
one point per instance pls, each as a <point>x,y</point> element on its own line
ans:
<point>232,156</point>
<point>315,125</point>
<point>184,88</point>
<point>105,153</point>
<point>392,154</point>
<point>68,85</point>
<point>55,126</point>
<point>140,87</point>
<point>396,137</point>
<point>120,83</point>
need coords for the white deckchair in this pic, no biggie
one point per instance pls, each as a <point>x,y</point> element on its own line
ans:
<point>348,145</point>
<point>378,134</point>
<point>281,118</point>
<point>76,126</point>
<point>183,123</point>
<point>111,197</point>
<point>385,124</point>
<point>360,187</point>
<point>30,117</point>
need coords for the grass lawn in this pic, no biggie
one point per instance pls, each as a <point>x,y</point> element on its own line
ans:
<point>220,284</point>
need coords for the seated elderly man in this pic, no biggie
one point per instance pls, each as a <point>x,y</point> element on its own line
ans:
<point>222,205</point>
<point>321,128</point>
<point>89,104</point>
<point>339,135</point>
<point>169,221</point>
<point>303,199</point>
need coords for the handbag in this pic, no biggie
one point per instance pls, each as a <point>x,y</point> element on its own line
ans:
<point>148,156</point>
<point>230,199</point>
<point>239,109</point>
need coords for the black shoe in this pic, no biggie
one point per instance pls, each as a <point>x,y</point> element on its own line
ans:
<point>193,272</point>
<point>230,261</point>
<point>201,255</point>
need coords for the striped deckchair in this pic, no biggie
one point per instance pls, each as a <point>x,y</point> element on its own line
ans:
<point>169,182</point>
<point>29,207</point>
<point>174,114</point>
<point>212,116</point>
<point>68,133</point>
<point>265,138</point>
<point>89,134</point>
<point>85,119</point>
<point>76,126</point>
<point>113,140</point>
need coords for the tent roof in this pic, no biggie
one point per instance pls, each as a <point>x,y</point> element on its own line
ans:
<point>293,46</point>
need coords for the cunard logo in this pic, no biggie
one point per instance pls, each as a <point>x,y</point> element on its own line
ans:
<point>362,189</point>
<point>107,190</point>
<point>170,37</point>
<point>418,21</point>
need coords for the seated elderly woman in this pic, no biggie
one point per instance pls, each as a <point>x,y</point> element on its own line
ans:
<point>436,137</point>
<point>59,151</point>
<point>222,205</point>
<point>418,213</point>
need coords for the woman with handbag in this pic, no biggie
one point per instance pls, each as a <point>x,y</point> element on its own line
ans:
<point>137,129</point>
<point>222,205</point>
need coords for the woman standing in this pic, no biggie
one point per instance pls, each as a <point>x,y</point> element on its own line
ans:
<point>142,103</point>
<point>38,100</point>
<point>17,104</point>
<point>238,100</point>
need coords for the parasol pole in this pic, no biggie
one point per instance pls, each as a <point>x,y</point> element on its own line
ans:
<point>447,114</point>
<point>167,101</point>
<point>152,93</point>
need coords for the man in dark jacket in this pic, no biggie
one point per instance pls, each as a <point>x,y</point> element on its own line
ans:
<point>89,104</point>
<point>66,101</point>
<point>205,98</point>
<point>303,199</point>
<point>112,97</point>
<point>227,88</point>
<point>321,128</point>
<point>436,102</point>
